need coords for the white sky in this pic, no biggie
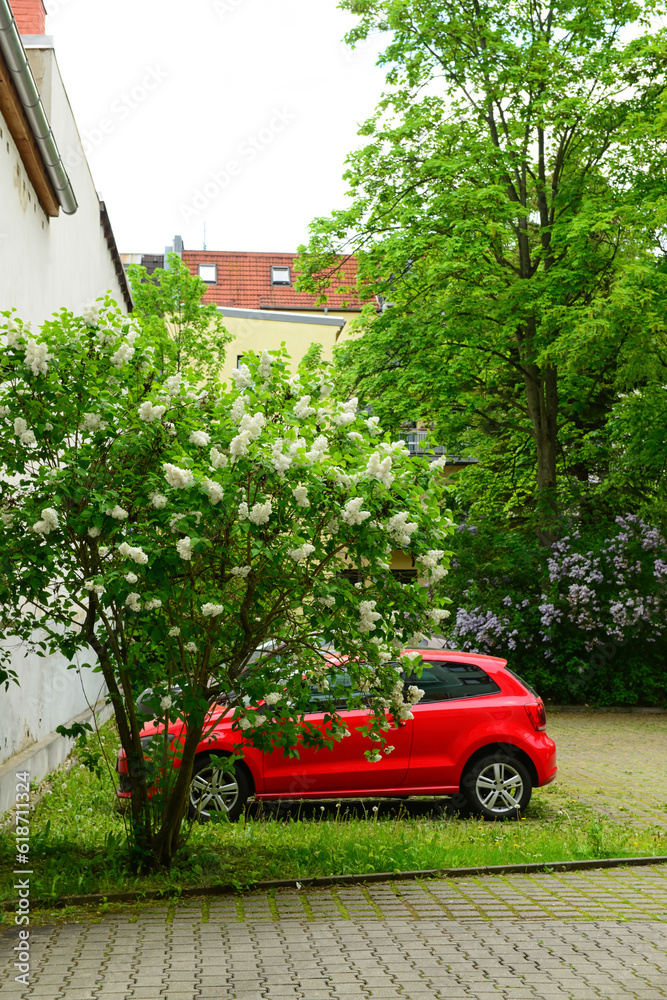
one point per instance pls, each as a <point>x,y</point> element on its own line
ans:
<point>168,92</point>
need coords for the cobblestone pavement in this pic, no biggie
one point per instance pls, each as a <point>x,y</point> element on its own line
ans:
<point>573,936</point>
<point>614,762</point>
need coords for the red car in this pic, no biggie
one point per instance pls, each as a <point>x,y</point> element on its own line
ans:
<point>479,730</point>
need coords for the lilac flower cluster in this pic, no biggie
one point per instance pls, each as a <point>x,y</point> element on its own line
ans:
<point>592,592</point>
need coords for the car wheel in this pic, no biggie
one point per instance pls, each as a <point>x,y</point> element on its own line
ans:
<point>497,787</point>
<point>217,789</point>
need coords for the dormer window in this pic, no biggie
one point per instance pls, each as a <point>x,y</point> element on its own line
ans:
<point>280,275</point>
<point>208,273</point>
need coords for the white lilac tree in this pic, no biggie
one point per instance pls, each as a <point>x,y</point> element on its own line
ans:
<point>174,530</point>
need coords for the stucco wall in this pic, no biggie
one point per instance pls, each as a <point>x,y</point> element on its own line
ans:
<point>49,695</point>
<point>45,263</point>
<point>267,335</point>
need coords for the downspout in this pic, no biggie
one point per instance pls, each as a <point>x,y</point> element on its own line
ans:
<point>15,57</point>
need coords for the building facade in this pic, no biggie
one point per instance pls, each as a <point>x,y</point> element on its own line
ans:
<point>57,247</point>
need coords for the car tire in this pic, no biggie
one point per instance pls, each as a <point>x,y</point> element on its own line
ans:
<point>497,786</point>
<point>217,790</point>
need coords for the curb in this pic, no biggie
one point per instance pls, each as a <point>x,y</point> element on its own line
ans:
<point>228,888</point>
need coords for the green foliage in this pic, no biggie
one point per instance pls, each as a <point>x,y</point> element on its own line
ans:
<point>189,336</point>
<point>508,204</point>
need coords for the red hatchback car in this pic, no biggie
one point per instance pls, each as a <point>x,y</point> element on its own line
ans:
<point>479,730</point>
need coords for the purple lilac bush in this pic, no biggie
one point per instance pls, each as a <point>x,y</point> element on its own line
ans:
<point>584,621</point>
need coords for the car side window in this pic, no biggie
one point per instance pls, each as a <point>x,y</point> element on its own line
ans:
<point>448,681</point>
<point>321,701</point>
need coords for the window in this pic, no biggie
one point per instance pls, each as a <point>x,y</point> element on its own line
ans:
<point>209,273</point>
<point>279,275</point>
<point>442,681</point>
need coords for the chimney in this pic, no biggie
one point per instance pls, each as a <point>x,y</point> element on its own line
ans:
<point>30,16</point>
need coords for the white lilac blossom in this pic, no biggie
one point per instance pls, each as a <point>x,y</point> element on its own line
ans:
<point>166,703</point>
<point>93,587</point>
<point>238,408</point>
<point>367,616</point>
<point>318,450</point>
<point>148,412</point>
<point>380,469</point>
<point>93,422</point>
<point>372,423</point>
<point>328,602</point>
<point>298,555</point>
<point>404,713</point>
<point>400,529</point>
<point>217,459</point>
<point>7,520</point>
<point>180,479</point>
<point>90,314</point>
<point>242,377</point>
<point>36,357</point>
<point>131,577</point>
<point>241,571</point>
<point>434,571</point>
<point>346,412</point>
<point>201,438</point>
<point>352,512</point>
<point>49,522</point>
<point>133,602</point>
<point>118,513</point>
<point>300,494</point>
<point>94,532</point>
<point>355,436</point>
<point>158,500</point>
<point>191,647</point>
<point>250,429</point>
<point>272,698</point>
<point>260,513</point>
<point>25,436</point>
<point>438,615</point>
<point>373,758</point>
<point>124,353</point>
<point>302,409</point>
<point>174,631</point>
<point>265,365</point>
<point>173,383</point>
<point>415,694</point>
<point>214,490</point>
<point>152,604</point>
<point>244,511</point>
<point>212,610</point>
<point>184,548</point>
<point>438,463</point>
<point>133,552</point>
<point>279,461</point>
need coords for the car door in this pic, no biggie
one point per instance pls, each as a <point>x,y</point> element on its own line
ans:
<point>458,697</point>
<point>343,769</point>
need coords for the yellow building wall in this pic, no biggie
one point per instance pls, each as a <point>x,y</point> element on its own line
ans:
<point>268,335</point>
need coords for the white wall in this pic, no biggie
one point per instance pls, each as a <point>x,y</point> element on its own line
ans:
<point>47,263</point>
<point>49,695</point>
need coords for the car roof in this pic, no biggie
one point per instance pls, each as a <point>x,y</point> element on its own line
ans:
<point>455,654</point>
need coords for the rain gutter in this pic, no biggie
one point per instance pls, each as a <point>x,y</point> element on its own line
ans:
<point>12,49</point>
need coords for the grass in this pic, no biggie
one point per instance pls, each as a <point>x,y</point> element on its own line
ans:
<point>77,843</point>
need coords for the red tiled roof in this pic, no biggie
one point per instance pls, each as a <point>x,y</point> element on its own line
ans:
<point>244,282</point>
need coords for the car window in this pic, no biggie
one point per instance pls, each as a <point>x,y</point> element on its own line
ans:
<point>448,681</point>
<point>321,700</point>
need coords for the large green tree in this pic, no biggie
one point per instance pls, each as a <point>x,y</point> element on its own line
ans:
<point>508,204</point>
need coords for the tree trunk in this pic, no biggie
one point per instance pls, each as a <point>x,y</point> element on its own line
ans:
<point>542,401</point>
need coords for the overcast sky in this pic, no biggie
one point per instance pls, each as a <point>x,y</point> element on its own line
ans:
<point>234,114</point>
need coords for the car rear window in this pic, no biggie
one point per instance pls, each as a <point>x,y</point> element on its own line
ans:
<point>448,681</point>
